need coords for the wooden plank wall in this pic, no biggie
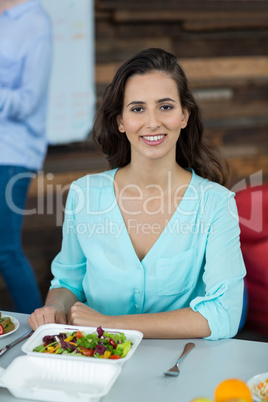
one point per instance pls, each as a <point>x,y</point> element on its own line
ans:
<point>223,47</point>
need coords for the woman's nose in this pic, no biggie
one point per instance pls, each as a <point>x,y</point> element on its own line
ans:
<point>152,121</point>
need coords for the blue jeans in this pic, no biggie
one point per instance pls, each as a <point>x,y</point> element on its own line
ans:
<point>14,267</point>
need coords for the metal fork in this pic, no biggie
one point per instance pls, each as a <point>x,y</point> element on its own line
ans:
<point>175,371</point>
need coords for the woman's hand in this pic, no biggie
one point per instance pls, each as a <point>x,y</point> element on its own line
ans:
<point>58,302</point>
<point>80,314</point>
<point>48,314</point>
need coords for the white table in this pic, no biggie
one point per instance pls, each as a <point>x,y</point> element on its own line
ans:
<point>142,376</point>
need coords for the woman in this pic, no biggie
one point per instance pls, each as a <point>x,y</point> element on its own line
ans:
<point>152,244</point>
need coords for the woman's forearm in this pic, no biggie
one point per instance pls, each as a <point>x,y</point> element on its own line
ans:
<point>61,297</point>
<point>183,323</point>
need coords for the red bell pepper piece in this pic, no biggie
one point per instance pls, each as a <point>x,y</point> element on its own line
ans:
<point>86,352</point>
<point>112,342</point>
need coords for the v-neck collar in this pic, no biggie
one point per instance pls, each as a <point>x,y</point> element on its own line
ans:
<point>159,239</point>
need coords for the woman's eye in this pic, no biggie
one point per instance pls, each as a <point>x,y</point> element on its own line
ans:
<point>137,109</point>
<point>166,107</point>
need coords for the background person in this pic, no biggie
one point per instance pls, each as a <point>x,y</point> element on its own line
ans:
<point>170,263</point>
<point>25,63</point>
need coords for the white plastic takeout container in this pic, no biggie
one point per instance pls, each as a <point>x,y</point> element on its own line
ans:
<point>63,378</point>
<point>56,380</point>
<point>54,329</point>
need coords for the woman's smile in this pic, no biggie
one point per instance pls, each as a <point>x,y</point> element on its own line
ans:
<point>153,139</point>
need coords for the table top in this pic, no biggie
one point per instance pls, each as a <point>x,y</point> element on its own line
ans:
<point>142,376</point>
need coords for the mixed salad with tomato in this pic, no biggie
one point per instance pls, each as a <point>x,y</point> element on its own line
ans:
<point>99,344</point>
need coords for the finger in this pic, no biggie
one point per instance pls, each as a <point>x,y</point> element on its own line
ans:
<point>32,322</point>
<point>74,316</point>
<point>49,314</point>
<point>36,319</point>
<point>61,318</point>
<point>68,318</point>
<point>74,310</point>
<point>44,315</point>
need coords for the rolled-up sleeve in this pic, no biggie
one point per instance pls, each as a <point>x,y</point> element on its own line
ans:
<point>69,266</point>
<point>224,272</point>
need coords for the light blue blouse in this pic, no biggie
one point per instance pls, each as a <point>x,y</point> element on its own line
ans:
<point>195,262</point>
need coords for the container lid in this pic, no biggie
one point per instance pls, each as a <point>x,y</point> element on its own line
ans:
<point>59,380</point>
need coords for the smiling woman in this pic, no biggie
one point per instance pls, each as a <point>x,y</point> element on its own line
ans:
<point>159,251</point>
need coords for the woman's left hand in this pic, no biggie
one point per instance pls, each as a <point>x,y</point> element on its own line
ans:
<point>80,314</point>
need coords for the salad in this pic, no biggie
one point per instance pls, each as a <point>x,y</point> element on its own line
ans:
<point>261,390</point>
<point>99,344</point>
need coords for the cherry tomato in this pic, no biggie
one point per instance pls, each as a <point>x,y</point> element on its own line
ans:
<point>1,329</point>
<point>79,334</point>
<point>115,357</point>
<point>112,342</point>
<point>87,352</point>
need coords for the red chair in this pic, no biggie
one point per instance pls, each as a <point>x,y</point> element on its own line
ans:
<point>252,204</point>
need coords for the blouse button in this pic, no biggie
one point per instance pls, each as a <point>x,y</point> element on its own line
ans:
<point>137,291</point>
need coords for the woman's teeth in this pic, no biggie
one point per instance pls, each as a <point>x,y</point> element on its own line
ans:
<point>153,137</point>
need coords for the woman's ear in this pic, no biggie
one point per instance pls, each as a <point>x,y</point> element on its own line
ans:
<point>120,123</point>
<point>185,117</point>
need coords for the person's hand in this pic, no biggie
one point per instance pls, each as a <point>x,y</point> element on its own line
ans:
<point>80,314</point>
<point>48,314</point>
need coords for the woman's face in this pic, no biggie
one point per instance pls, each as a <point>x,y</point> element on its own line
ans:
<point>152,116</point>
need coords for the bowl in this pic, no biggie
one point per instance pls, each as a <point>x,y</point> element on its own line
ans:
<point>255,381</point>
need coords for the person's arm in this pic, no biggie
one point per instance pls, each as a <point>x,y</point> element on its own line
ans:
<point>19,103</point>
<point>58,303</point>
<point>224,271</point>
<point>183,323</point>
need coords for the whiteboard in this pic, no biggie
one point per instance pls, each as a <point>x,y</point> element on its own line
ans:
<point>71,105</point>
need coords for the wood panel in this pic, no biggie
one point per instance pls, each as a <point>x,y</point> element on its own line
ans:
<point>195,6</point>
<point>206,72</point>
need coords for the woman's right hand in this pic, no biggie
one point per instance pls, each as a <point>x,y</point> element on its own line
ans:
<point>50,313</point>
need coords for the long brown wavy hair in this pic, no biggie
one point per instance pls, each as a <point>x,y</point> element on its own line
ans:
<point>193,149</point>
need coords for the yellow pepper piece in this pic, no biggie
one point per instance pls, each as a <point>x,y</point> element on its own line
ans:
<point>69,338</point>
<point>107,354</point>
<point>50,348</point>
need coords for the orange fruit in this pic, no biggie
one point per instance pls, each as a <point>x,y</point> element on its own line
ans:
<point>231,390</point>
